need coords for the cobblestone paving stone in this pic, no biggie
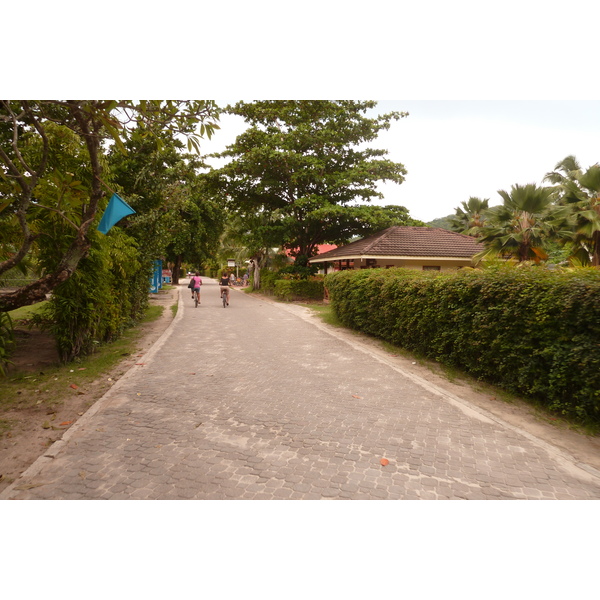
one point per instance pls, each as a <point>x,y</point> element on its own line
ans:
<point>256,402</point>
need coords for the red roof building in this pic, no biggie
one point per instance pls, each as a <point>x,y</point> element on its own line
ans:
<point>427,248</point>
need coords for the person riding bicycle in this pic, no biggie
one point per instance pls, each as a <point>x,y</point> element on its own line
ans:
<point>197,282</point>
<point>224,285</point>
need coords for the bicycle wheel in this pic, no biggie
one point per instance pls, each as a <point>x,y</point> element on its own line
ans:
<point>195,300</point>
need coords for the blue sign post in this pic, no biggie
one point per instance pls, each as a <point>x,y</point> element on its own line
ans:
<point>156,279</point>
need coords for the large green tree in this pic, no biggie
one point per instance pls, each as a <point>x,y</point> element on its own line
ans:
<point>299,161</point>
<point>27,158</point>
<point>178,218</point>
<point>579,192</point>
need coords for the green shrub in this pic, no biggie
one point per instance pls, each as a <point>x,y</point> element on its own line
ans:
<point>107,294</point>
<point>283,289</point>
<point>296,271</point>
<point>267,281</point>
<point>532,331</point>
<point>299,289</point>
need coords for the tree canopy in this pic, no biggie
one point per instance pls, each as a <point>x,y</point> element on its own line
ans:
<point>558,223</point>
<point>53,166</point>
<point>302,162</point>
<point>579,192</point>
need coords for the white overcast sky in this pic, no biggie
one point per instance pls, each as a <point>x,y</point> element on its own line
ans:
<point>498,93</point>
<point>454,149</point>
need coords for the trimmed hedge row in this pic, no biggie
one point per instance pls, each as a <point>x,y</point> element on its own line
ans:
<point>288,289</point>
<point>299,289</point>
<point>531,331</point>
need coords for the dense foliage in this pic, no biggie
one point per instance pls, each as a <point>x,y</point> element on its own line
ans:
<point>107,294</point>
<point>556,224</point>
<point>52,166</point>
<point>533,331</point>
<point>296,176</point>
<point>60,162</point>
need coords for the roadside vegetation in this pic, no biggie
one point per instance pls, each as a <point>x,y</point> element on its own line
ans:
<point>47,389</point>
<point>531,331</point>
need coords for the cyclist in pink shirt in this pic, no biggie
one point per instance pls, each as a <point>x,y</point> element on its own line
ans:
<point>195,279</point>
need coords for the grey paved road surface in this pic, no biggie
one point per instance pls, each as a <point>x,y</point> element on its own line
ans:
<point>261,401</point>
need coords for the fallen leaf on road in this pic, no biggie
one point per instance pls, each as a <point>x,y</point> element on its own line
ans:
<point>66,423</point>
<point>140,364</point>
<point>384,461</point>
<point>359,397</point>
<point>82,368</point>
<point>75,387</point>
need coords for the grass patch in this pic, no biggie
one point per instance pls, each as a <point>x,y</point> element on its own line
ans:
<point>25,313</point>
<point>152,313</point>
<point>174,308</point>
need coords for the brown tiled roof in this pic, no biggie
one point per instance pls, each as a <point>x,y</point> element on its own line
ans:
<point>408,241</point>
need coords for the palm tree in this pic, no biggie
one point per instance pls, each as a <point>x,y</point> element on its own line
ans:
<point>471,217</point>
<point>579,191</point>
<point>520,226</point>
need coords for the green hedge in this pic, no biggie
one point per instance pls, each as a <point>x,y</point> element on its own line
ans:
<point>267,281</point>
<point>531,331</point>
<point>298,289</point>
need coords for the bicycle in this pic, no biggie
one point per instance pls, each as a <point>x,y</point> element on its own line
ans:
<point>196,298</point>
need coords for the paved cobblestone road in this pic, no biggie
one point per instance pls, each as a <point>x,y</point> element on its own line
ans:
<point>283,407</point>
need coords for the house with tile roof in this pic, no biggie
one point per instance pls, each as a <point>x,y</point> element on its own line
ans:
<point>423,248</point>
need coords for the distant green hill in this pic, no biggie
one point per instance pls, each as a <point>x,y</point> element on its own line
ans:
<point>442,222</point>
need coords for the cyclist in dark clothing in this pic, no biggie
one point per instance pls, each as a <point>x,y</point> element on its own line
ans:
<point>224,285</point>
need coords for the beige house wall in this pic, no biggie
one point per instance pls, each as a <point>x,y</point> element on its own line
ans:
<point>444,264</point>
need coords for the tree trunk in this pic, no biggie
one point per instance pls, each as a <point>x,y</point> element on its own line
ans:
<point>36,292</point>
<point>596,249</point>
<point>256,271</point>
<point>177,269</point>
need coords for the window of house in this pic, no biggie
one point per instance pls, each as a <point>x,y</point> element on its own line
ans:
<point>428,268</point>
